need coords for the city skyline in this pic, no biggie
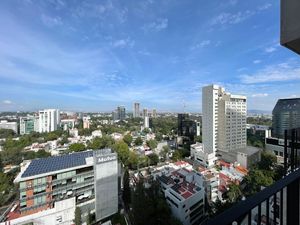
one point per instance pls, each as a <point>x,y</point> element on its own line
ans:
<point>88,56</point>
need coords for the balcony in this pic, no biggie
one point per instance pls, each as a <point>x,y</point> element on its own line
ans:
<point>277,204</point>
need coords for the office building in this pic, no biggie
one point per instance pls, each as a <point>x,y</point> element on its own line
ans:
<point>185,194</point>
<point>119,113</point>
<point>145,112</point>
<point>136,110</point>
<point>286,115</point>
<point>146,122</point>
<point>89,177</point>
<point>186,127</point>
<point>224,123</point>
<point>26,125</point>
<point>154,113</point>
<point>4,124</point>
<point>49,120</point>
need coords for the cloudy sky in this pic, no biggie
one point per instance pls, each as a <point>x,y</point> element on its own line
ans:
<point>95,55</point>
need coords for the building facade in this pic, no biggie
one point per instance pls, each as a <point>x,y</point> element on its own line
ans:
<point>187,127</point>
<point>119,113</point>
<point>4,124</point>
<point>286,115</point>
<point>185,194</point>
<point>136,110</point>
<point>49,120</point>
<point>26,125</point>
<point>224,122</point>
<point>90,177</point>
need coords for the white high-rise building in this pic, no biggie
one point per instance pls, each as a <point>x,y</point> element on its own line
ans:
<point>49,120</point>
<point>224,124</point>
<point>136,110</point>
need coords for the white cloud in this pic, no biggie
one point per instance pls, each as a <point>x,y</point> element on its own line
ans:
<point>202,44</point>
<point>264,7</point>
<point>270,49</point>
<point>123,43</point>
<point>231,18</point>
<point>257,61</point>
<point>279,72</point>
<point>260,95</point>
<point>158,25</point>
<point>7,102</point>
<point>51,21</point>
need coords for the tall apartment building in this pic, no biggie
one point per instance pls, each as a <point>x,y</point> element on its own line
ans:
<point>145,112</point>
<point>89,177</point>
<point>119,113</point>
<point>4,124</point>
<point>154,113</point>
<point>49,120</point>
<point>26,125</point>
<point>136,110</point>
<point>286,115</point>
<point>224,123</point>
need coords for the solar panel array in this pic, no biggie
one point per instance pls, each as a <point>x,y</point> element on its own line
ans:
<point>46,165</point>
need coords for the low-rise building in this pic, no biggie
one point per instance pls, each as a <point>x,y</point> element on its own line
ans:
<point>4,124</point>
<point>185,194</point>
<point>84,176</point>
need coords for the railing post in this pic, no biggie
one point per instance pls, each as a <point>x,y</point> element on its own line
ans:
<point>285,155</point>
<point>293,203</point>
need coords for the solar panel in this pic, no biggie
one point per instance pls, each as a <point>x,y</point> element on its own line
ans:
<point>46,165</point>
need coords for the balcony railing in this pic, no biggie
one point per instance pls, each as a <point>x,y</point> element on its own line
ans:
<point>277,204</point>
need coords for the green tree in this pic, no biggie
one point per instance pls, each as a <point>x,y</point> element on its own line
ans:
<point>255,180</point>
<point>123,151</point>
<point>152,144</point>
<point>133,160</point>
<point>267,162</point>
<point>153,159</point>
<point>6,133</point>
<point>127,139</point>
<point>164,152</point>
<point>176,155</point>
<point>126,188</point>
<point>77,147</point>
<point>42,154</point>
<point>198,139</point>
<point>77,219</point>
<point>234,193</point>
<point>138,141</point>
<point>158,136</point>
<point>4,188</point>
<point>102,142</point>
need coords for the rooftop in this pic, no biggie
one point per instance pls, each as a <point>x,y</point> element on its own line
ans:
<point>50,164</point>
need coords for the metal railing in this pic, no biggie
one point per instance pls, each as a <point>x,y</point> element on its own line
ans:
<point>277,204</point>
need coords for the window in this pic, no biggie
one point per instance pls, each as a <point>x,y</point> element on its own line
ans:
<point>22,185</point>
<point>39,200</point>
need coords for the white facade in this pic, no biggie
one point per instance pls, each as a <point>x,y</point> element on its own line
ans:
<point>49,120</point>
<point>136,110</point>
<point>184,192</point>
<point>198,154</point>
<point>146,122</point>
<point>4,124</point>
<point>224,121</point>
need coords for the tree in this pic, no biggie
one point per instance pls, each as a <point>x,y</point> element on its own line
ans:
<point>4,188</point>
<point>1,164</point>
<point>234,193</point>
<point>267,162</point>
<point>255,180</point>
<point>164,152</point>
<point>198,139</point>
<point>42,154</point>
<point>138,141</point>
<point>77,219</point>
<point>158,136</point>
<point>77,147</point>
<point>153,159</point>
<point>152,144</point>
<point>127,139</point>
<point>177,155</point>
<point>123,152</point>
<point>6,133</point>
<point>102,142</point>
<point>126,189</point>
<point>133,160</point>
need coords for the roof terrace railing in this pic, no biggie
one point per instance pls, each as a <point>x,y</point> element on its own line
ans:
<point>277,204</point>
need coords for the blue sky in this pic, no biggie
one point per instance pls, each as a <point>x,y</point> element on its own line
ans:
<point>95,55</point>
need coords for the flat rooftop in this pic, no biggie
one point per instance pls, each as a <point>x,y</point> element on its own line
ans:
<point>50,164</point>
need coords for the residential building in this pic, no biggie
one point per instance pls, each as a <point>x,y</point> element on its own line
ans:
<point>49,120</point>
<point>86,122</point>
<point>4,124</point>
<point>146,122</point>
<point>185,194</point>
<point>136,110</point>
<point>286,115</point>
<point>145,112</point>
<point>85,176</point>
<point>119,113</point>
<point>154,113</point>
<point>224,123</point>
<point>26,125</point>
<point>67,124</point>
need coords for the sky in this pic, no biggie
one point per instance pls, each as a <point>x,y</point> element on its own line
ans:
<point>96,55</point>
